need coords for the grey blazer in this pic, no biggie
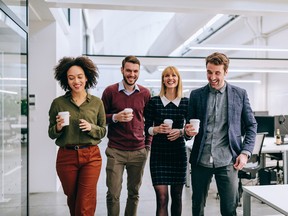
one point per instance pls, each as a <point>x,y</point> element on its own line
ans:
<point>241,121</point>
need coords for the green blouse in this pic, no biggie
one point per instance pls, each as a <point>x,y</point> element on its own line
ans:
<point>92,110</point>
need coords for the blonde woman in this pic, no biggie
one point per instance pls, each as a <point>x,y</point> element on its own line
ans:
<point>168,159</point>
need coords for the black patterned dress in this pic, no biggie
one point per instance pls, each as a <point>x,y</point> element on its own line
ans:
<point>168,160</point>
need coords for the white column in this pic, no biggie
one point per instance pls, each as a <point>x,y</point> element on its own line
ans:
<point>47,44</point>
<point>42,150</point>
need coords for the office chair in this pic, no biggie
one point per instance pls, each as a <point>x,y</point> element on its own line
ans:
<point>278,170</point>
<point>253,165</point>
<point>277,157</point>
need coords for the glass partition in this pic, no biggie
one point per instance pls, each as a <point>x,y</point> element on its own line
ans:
<point>19,8</point>
<point>13,118</point>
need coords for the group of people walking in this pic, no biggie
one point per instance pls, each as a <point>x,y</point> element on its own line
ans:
<point>136,128</point>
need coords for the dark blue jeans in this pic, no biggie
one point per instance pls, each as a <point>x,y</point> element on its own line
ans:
<point>227,186</point>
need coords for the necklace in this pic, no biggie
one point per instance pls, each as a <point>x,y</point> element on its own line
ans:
<point>81,98</point>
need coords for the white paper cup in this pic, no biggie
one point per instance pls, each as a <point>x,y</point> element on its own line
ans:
<point>128,110</point>
<point>195,123</point>
<point>168,122</point>
<point>65,115</point>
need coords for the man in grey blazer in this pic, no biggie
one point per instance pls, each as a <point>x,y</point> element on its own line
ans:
<point>224,111</point>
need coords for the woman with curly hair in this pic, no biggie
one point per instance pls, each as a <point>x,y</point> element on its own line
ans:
<point>79,160</point>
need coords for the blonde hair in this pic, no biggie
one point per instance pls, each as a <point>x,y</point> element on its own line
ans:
<point>179,87</point>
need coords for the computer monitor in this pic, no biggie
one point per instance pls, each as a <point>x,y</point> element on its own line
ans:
<point>266,124</point>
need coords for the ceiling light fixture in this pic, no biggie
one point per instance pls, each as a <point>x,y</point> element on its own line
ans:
<point>184,86</point>
<point>239,48</point>
<point>231,70</point>
<point>12,78</point>
<point>7,92</point>
<point>199,32</point>
<point>206,27</point>
<point>205,81</point>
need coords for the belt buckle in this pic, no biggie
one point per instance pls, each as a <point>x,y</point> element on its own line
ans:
<point>76,147</point>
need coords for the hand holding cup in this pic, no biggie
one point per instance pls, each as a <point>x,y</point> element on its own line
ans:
<point>62,119</point>
<point>166,127</point>
<point>192,128</point>
<point>196,124</point>
<point>168,122</point>
<point>127,115</point>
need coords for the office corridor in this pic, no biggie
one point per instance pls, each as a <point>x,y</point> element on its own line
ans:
<point>54,204</point>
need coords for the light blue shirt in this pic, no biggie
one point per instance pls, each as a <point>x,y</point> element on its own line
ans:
<point>122,88</point>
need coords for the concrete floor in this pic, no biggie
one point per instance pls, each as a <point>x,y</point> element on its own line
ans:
<point>54,204</point>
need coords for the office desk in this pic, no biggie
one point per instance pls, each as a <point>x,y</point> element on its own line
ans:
<point>273,195</point>
<point>269,146</point>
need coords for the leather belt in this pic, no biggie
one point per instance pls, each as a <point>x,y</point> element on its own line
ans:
<point>76,147</point>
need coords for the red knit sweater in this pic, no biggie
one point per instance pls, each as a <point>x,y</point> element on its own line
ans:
<point>126,135</point>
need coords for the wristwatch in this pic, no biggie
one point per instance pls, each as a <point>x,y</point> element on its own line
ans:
<point>181,132</point>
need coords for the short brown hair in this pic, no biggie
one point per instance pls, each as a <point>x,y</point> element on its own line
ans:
<point>88,66</point>
<point>131,59</point>
<point>218,59</point>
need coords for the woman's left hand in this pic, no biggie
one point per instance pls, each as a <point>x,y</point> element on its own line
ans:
<point>174,134</point>
<point>84,125</point>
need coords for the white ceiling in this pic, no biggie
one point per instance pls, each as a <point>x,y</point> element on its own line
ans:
<point>162,28</point>
<point>157,28</point>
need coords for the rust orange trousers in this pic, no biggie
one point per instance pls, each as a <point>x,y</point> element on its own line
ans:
<point>79,171</point>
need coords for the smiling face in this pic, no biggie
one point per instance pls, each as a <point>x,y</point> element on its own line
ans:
<point>170,79</point>
<point>130,73</point>
<point>216,75</point>
<point>76,79</point>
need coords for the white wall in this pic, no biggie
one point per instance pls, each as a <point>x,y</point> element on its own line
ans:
<point>277,94</point>
<point>47,44</point>
<point>42,57</point>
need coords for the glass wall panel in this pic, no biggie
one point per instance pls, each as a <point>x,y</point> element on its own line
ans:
<point>13,118</point>
<point>19,9</point>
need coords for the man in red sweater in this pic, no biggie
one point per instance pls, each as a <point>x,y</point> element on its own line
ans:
<point>128,147</point>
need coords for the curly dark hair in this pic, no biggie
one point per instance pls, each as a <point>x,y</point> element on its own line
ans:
<point>218,59</point>
<point>90,69</point>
